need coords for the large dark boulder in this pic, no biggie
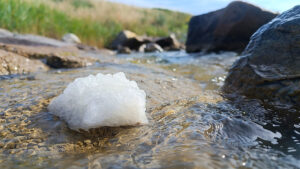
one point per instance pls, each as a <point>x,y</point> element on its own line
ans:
<point>226,29</point>
<point>269,68</point>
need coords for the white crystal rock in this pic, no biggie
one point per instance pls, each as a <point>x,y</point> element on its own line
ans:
<point>101,100</point>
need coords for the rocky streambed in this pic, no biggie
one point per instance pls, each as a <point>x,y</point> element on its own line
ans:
<point>191,124</point>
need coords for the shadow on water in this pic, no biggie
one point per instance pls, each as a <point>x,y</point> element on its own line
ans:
<point>284,121</point>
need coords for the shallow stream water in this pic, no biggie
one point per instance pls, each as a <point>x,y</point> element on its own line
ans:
<point>191,124</point>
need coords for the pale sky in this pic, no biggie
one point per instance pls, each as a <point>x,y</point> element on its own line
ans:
<point>196,7</point>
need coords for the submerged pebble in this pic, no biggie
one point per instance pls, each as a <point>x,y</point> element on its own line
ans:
<point>101,100</point>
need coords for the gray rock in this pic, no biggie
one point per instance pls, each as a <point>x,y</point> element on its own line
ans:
<point>5,33</point>
<point>71,38</point>
<point>227,29</point>
<point>269,68</point>
<point>33,40</point>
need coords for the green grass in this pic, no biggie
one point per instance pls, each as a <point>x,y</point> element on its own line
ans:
<point>38,18</point>
<point>82,4</point>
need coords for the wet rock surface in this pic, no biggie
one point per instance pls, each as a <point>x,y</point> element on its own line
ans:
<point>69,61</point>
<point>11,63</point>
<point>190,124</point>
<point>55,53</point>
<point>227,29</point>
<point>269,68</point>
<point>56,57</point>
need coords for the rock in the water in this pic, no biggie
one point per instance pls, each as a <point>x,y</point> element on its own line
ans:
<point>124,50</point>
<point>71,38</point>
<point>153,47</point>
<point>135,43</point>
<point>270,66</point>
<point>56,57</point>
<point>69,61</point>
<point>129,39</point>
<point>227,29</point>
<point>142,48</point>
<point>11,63</point>
<point>101,100</point>
<point>150,47</point>
<point>169,43</point>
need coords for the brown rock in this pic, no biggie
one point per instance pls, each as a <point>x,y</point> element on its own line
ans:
<point>38,52</point>
<point>69,61</point>
<point>11,63</point>
<point>56,57</point>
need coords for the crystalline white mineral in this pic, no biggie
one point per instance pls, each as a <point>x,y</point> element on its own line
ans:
<point>101,100</point>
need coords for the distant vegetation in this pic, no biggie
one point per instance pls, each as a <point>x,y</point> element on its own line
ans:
<point>96,22</point>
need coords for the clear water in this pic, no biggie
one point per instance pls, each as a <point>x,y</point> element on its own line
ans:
<point>191,124</point>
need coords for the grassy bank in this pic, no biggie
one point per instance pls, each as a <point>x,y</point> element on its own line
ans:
<point>96,22</point>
